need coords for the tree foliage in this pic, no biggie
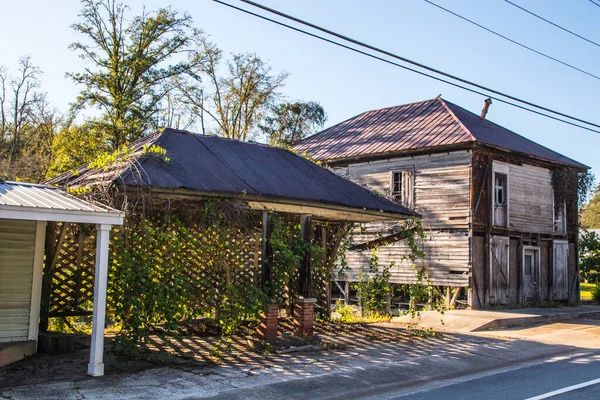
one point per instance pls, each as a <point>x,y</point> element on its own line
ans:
<point>290,122</point>
<point>589,254</point>
<point>590,213</point>
<point>75,145</point>
<point>27,123</point>
<point>130,62</point>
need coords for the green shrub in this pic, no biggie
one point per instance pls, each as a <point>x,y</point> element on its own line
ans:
<point>596,294</point>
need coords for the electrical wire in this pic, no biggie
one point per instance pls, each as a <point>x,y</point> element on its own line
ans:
<point>552,23</point>
<point>485,89</point>
<point>513,41</point>
<point>594,3</point>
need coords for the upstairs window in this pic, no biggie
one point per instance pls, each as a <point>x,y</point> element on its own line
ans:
<point>500,188</point>
<point>402,186</point>
<point>500,194</point>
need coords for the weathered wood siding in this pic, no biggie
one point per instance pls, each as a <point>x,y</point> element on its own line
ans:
<point>17,242</point>
<point>531,199</point>
<point>560,275</point>
<point>441,185</point>
<point>442,196</point>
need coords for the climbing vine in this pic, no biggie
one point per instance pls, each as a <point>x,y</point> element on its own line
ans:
<point>571,187</point>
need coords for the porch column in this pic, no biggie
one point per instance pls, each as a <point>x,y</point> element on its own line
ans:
<point>96,365</point>
<point>305,305</point>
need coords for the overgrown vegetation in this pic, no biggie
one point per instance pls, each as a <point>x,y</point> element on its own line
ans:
<point>571,187</point>
<point>589,255</point>
<point>374,290</point>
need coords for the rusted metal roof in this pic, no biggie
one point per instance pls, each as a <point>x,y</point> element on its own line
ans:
<point>27,199</point>
<point>427,124</point>
<point>252,171</point>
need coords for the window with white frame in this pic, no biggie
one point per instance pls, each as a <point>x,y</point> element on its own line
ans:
<point>402,187</point>
<point>500,194</point>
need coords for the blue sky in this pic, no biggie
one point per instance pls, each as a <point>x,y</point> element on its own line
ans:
<point>347,84</point>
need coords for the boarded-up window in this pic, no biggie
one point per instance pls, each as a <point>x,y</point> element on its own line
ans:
<point>499,270</point>
<point>560,268</point>
<point>403,187</point>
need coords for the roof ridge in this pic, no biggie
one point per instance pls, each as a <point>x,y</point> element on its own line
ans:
<point>443,103</point>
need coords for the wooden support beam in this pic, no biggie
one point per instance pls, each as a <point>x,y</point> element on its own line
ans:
<point>453,300</point>
<point>267,253</point>
<point>346,293</point>
<point>327,260</point>
<point>305,280</point>
<point>382,241</point>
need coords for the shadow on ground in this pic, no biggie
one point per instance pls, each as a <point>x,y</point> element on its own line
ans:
<point>337,343</point>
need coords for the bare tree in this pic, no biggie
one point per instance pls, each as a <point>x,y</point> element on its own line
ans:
<point>25,115</point>
<point>233,94</point>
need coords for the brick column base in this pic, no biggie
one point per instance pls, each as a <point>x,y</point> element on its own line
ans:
<point>267,329</point>
<point>304,316</point>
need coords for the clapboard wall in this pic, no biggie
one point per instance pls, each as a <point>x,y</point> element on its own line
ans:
<point>442,196</point>
<point>17,248</point>
<point>531,199</point>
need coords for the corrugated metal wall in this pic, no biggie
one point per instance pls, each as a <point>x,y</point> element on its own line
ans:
<point>17,242</point>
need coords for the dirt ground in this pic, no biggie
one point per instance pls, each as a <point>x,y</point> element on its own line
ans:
<point>196,351</point>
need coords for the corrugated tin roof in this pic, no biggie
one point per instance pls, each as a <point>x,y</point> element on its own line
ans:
<point>211,164</point>
<point>427,124</point>
<point>29,195</point>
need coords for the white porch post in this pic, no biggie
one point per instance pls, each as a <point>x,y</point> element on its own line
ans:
<point>96,365</point>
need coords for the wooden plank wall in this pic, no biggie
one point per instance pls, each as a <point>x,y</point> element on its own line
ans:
<point>442,196</point>
<point>531,204</point>
<point>545,270</point>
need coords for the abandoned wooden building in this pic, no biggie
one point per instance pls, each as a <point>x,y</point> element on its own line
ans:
<point>494,227</point>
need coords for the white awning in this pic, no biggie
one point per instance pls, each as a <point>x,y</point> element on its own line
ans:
<point>29,201</point>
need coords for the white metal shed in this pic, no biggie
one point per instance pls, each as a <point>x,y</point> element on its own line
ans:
<point>25,209</point>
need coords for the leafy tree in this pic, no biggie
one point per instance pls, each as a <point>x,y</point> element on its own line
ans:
<point>290,122</point>
<point>590,213</point>
<point>129,63</point>
<point>234,94</point>
<point>75,145</point>
<point>589,254</point>
<point>27,123</point>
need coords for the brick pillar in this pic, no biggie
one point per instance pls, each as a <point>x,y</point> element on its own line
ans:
<point>267,329</point>
<point>304,316</point>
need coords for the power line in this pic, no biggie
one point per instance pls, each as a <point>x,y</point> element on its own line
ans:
<point>594,3</point>
<point>387,53</point>
<point>417,71</point>
<point>552,23</point>
<point>513,41</point>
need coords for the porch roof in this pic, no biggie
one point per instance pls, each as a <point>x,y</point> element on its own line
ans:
<point>28,201</point>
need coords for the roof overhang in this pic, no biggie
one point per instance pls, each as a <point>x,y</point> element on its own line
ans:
<point>49,214</point>
<point>28,201</point>
<point>324,211</point>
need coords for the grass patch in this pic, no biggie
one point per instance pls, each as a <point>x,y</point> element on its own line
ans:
<point>586,291</point>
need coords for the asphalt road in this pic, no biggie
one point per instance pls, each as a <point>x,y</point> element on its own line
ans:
<point>576,376</point>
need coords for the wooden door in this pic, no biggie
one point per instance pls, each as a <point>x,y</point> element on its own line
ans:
<point>560,268</point>
<point>499,270</point>
<point>530,291</point>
